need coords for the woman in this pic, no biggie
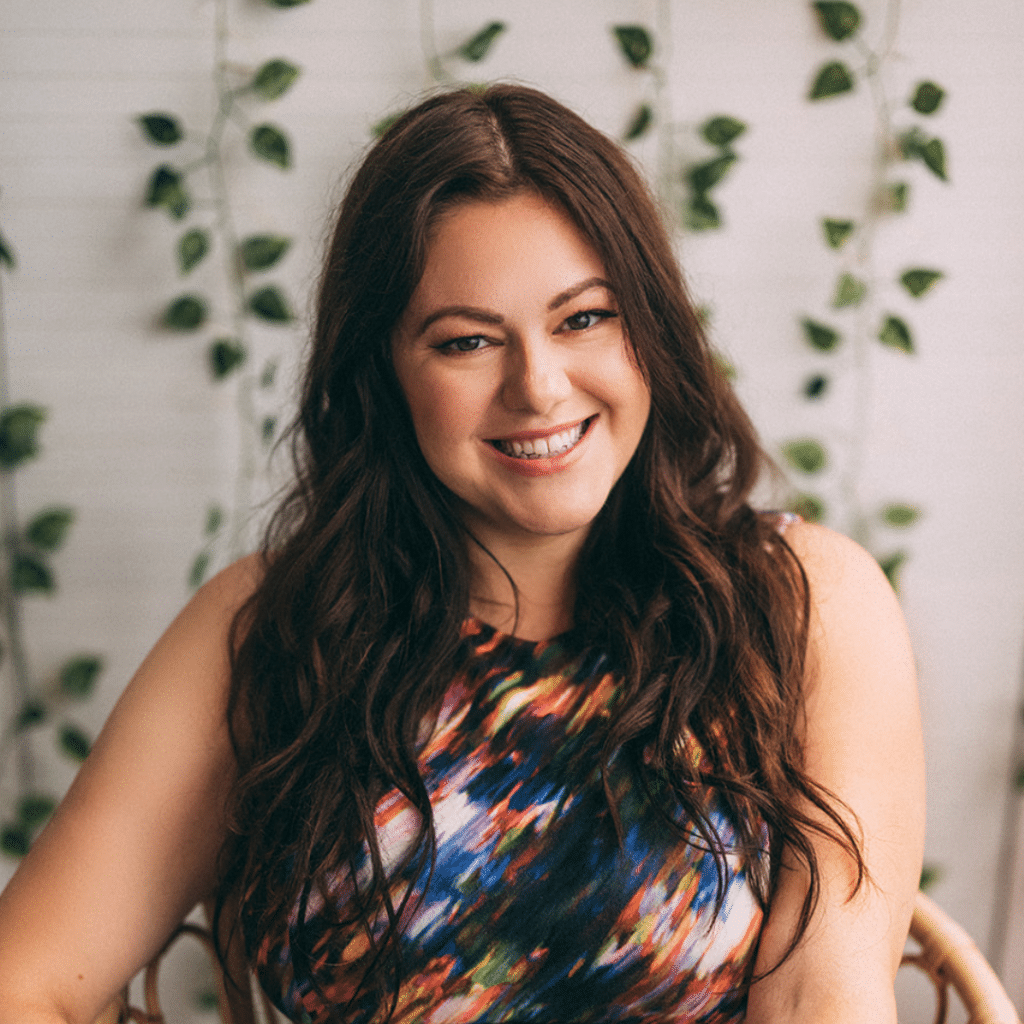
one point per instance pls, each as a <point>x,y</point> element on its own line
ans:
<point>523,713</point>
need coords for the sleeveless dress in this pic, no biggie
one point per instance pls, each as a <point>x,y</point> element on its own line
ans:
<point>533,912</point>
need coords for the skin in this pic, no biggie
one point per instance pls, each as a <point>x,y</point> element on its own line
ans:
<point>133,847</point>
<point>513,332</point>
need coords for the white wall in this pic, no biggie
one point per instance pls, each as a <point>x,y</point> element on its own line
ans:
<point>139,441</point>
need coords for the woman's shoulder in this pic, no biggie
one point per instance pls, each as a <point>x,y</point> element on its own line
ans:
<point>841,574</point>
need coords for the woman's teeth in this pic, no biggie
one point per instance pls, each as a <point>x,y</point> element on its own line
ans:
<point>542,447</point>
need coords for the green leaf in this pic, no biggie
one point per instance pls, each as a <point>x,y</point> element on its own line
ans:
<point>891,566</point>
<point>930,874</point>
<point>831,80</point>
<point>702,214</point>
<point>641,122</point>
<point>271,144</point>
<point>185,313</point>
<point>14,839</point>
<point>927,97</point>
<point>915,145</point>
<point>895,197</point>
<point>35,808</point>
<point>214,520</point>
<point>270,305</point>
<point>806,455</point>
<point>838,18</point>
<point>820,337</point>
<point>19,434</point>
<point>73,742</point>
<point>33,712</point>
<point>850,291</point>
<point>192,247</point>
<point>7,254</point>
<point>720,131</point>
<point>225,355</point>
<point>267,428</point>
<point>815,386</point>
<point>78,676</point>
<point>258,252</point>
<point>809,506</point>
<point>635,44</point>
<point>896,334</point>
<point>206,1001</point>
<point>197,573</point>
<point>933,154</point>
<point>49,529</point>
<point>837,231</point>
<point>268,374</point>
<point>704,177</point>
<point>167,190</point>
<point>274,79</point>
<point>31,575</point>
<point>900,515</point>
<point>161,129</point>
<point>475,49</point>
<point>385,123</point>
<point>918,281</point>
<point>724,366</point>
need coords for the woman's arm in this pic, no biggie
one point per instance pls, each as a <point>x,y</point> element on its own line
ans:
<point>863,743</point>
<point>133,846</point>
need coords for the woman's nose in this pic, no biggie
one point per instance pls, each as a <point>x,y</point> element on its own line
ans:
<point>536,377</point>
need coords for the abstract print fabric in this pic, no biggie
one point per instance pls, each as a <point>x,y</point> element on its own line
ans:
<point>533,911</point>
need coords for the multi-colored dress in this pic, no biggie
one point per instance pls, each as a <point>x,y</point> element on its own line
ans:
<point>533,911</point>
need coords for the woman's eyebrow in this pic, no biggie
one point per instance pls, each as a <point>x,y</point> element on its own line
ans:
<point>483,316</point>
<point>577,289</point>
<point>469,312</point>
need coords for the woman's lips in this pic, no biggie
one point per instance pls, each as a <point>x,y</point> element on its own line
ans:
<point>539,452</point>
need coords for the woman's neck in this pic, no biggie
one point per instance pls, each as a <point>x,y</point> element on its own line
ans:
<point>544,572</point>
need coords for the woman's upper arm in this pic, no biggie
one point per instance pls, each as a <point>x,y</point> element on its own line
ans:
<point>863,744</point>
<point>133,846</point>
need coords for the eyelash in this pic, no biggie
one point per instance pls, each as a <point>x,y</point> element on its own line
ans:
<point>452,346</point>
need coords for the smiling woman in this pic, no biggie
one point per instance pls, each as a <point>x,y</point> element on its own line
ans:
<point>523,712</point>
<point>531,419</point>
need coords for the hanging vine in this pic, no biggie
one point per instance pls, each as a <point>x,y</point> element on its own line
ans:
<point>861,313</point>
<point>200,187</point>
<point>692,186</point>
<point>26,570</point>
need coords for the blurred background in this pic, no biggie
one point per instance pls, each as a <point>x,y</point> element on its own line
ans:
<point>844,184</point>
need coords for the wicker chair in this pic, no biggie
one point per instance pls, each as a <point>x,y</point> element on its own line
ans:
<point>948,955</point>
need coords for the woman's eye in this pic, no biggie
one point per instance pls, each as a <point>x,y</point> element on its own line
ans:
<point>471,344</point>
<point>587,318</point>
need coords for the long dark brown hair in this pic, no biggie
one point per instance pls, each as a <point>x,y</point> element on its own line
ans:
<point>351,640</point>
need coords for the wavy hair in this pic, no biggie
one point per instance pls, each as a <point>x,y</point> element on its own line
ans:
<point>349,643</point>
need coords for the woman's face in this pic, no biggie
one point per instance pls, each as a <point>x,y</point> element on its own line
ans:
<point>525,396</point>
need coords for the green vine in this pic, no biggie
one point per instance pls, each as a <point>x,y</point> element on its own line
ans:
<point>199,187</point>
<point>700,211</point>
<point>25,570</point>
<point>861,312</point>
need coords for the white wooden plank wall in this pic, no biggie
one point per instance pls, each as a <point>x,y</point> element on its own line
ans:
<point>139,440</point>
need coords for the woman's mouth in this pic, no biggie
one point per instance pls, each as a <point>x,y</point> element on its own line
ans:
<point>544,447</point>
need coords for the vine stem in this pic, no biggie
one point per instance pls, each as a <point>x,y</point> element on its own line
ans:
<point>11,605</point>
<point>245,472</point>
<point>663,109</point>
<point>436,71</point>
<point>850,486</point>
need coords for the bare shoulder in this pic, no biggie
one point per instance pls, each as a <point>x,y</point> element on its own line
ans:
<point>135,843</point>
<point>855,616</point>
